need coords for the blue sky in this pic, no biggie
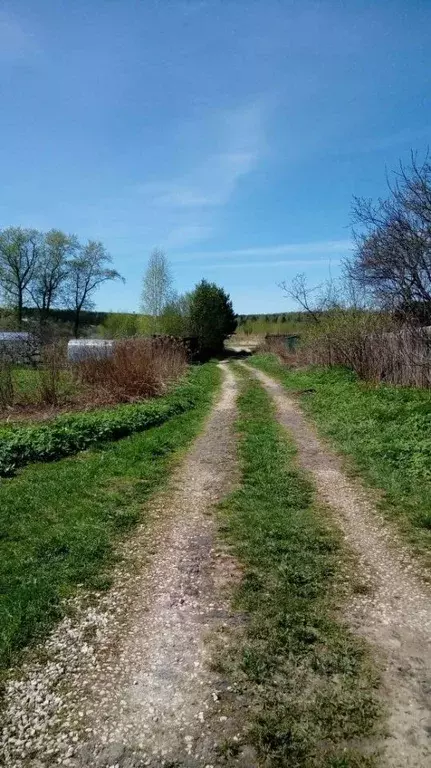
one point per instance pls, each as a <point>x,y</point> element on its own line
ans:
<point>230,133</point>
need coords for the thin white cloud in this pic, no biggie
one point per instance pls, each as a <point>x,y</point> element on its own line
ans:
<point>325,246</point>
<point>188,205</point>
<point>313,248</point>
<point>184,235</point>
<point>16,42</point>
<point>259,264</point>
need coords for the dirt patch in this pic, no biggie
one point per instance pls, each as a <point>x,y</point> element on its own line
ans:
<point>393,607</point>
<point>127,681</point>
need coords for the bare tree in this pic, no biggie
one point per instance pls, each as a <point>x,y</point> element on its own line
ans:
<point>313,300</point>
<point>86,272</point>
<point>157,287</point>
<point>20,250</point>
<point>393,241</point>
<point>51,270</point>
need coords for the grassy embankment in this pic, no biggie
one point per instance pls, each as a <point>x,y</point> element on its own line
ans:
<point>59,521</point>
<point>385,431</point>
<point>308,683</point>
<point>21,444</point>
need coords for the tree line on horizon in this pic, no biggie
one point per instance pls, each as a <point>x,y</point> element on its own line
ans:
<point>42,272</point>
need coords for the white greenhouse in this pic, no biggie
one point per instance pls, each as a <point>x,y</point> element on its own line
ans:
<point>85,349</point>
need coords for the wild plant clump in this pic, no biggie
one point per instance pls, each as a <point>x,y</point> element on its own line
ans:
<point>137,369</point>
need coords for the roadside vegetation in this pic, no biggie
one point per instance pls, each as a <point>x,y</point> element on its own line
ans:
<point>59,522</point>
<point>205,313</point>
<point>71,433</point>
<point>383,430</point>
<point>133,370</point>
<point>284,323</point>
<point>376,317</point>
<point>308,683</point>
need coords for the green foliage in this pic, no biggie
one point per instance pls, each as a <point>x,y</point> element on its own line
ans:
<point>156,288</point>
<point>59,522</point>
<point>8,320</point>
<point>212,318</point>
<point>175,318</point>
<point>121,325</point>
<point>287,323</point>
<point>86,271</point>
<point>385,430</point>
<point>308,682</point>
<point>65,435</point>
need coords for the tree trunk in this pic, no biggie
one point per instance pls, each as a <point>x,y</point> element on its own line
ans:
<point>76,323</point>
<point>19,309</point>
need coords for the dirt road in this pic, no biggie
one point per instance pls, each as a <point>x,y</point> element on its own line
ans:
<point>393,612</point>
<point>127,681</point>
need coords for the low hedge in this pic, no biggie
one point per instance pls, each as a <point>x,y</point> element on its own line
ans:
<point>72,433</point>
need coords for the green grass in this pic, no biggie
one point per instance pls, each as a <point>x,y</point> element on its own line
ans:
<point>59,521</point>
<point>283,323</point>
<point>71,433</point>
<point>26,382</point>
<point>308,683</point>
<point>385,430</point>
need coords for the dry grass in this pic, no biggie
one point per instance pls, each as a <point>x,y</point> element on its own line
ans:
<point>376,349</point>
<point>138,368</point>
<point>53,363</point>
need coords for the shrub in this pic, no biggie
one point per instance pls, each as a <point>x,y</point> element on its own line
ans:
<point>53,362</point>
<point>138,368</point>
<point>212,318</point>
<point>120,325</point>
<point>369,343</point>
<point>6,384</point>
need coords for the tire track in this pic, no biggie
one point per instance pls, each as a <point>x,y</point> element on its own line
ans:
<point>394,613</point>
<point>127,681</point>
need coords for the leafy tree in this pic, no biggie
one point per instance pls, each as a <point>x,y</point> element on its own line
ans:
<point>87,271</point>
<point>175,318</point>
<point>51,270</point>
<point>157,288</point>
<point>212,318</point>
<point>120,325</point>
<point>20,250</point>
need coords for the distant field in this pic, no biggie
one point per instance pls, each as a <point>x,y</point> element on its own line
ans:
<point>285,323</point>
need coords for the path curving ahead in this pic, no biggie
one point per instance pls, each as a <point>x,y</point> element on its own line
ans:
<point>394,614</point>
<point>127,681</point>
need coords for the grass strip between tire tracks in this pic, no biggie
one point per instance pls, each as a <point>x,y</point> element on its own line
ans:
<point>308,682</point>
<point>59,521</point>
